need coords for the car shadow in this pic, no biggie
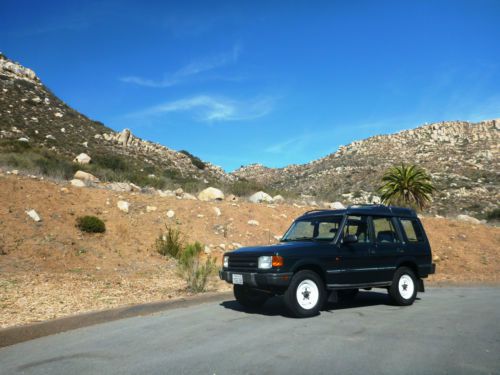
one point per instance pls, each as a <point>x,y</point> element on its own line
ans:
<point>275,306</point>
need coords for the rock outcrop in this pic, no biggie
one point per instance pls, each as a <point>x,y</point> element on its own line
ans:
<point>462,158</point>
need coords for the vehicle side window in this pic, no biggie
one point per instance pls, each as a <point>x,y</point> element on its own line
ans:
<point>357,225</point>
<point>412,230</point>
<point>385,232</point>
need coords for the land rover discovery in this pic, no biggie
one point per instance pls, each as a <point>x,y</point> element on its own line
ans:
<point>332,254</point>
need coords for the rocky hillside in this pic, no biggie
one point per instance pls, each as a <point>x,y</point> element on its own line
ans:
<point>462,157</point>
<point>40,133</point>
<point>30,113</point>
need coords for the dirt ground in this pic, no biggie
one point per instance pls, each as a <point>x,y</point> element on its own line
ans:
<point>49,269</point>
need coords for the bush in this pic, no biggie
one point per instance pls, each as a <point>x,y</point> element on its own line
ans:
<point>170,243</point>
<point>197,162</point>
<point>193,269</point>
<point>90,224</point>
<point>244,187</point>
<point>493,215</point>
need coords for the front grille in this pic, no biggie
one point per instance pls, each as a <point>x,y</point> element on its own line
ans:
<point>243,262</point>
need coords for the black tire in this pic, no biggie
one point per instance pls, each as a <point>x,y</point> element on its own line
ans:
<point>248,297</point>
<point>399,294</point>
<point>348,294</point>
<point>313,287</point>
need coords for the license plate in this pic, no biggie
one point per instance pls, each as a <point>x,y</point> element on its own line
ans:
<point>237,279</point>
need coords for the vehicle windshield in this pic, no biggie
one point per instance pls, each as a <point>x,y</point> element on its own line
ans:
<point>314,229</point>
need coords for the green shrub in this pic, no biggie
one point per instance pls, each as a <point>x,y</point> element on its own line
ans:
<point>90,224</point>
<point>170,243</point>
<point>115,163</point>
<point>192,269</point>
<point>493,215</point>
<point>244,187</point>
<point>197,162</point>
<point>15,146</point>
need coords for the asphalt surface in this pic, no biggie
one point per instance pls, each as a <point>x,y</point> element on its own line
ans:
<point>446,331</point>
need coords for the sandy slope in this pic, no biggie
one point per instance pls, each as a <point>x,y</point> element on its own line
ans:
<point>49,269</point>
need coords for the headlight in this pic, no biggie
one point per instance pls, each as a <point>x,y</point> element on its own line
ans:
<point>265,262</point>
<point>226,262</point>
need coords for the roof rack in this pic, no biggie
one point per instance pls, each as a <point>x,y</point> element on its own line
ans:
<point>366,205</point>
<point>317,210</point>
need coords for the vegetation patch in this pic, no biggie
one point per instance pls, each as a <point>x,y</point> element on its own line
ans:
<point>493,215</point>
<point>90,224</point>
<point>170,243</point>
<point>197,162</point>
<point>193,269</point>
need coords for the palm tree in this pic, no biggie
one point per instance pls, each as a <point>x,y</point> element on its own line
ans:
<point>407,185</point>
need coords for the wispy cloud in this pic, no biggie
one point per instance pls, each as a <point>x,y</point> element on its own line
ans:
<point>207,108</point>
<point>192,69</point>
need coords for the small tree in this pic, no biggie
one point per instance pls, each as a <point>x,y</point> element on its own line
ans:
<point>193,269</point>
<point>406,185</point>
<point>170,243</point>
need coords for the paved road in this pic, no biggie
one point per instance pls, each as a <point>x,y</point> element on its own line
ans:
<point>448,331</point>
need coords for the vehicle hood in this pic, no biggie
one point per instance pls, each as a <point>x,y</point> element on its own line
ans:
<point>280,248</point>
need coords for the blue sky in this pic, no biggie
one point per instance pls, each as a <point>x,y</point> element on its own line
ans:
<point>271,82</point>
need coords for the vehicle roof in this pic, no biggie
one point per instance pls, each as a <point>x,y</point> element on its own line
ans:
<point>369,209</point>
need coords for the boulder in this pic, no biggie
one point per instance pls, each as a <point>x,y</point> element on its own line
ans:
<point>336,206</point>
<point>232,198</point>
<point>134,187</point>
<point>278,199</point>
<point>253,222</point>
<point>178,192</point>
<point>84,176</point>
<point>468,219</point>
<point>121,187</point>
<point>77,183</point>
<point>124,137</point>
<point>34,215</point>
<point>82,159</point>
<point>188,196</point>
<point>123,206</point>
<point>211,194</point>
<point>260,196</point>
<point>165,193</point>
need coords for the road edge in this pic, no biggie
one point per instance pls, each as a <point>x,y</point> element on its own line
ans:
<point>15,335</point>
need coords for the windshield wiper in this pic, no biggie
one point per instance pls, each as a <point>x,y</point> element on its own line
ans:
<point>300,239</point>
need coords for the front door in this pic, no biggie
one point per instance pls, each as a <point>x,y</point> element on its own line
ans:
<point>352,259</point>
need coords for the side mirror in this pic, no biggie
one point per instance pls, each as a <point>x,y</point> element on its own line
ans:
<point>350,238</point>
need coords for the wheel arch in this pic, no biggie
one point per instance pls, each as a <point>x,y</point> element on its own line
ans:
<point>311,266</point>
<point>411,264</point>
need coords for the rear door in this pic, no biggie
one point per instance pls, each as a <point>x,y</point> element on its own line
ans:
<point>417,245</point>
<point>388,247</point>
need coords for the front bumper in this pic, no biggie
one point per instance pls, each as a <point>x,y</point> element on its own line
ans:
<point>259,280</point>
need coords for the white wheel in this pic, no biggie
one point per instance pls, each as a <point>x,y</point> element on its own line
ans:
<point>406,287</point>
<point>307,294</point>
<point>403,290</point>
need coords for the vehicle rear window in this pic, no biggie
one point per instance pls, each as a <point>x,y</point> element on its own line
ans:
<point>412,230</point>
